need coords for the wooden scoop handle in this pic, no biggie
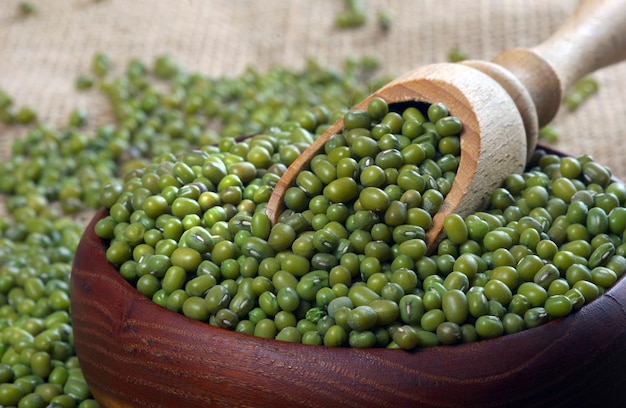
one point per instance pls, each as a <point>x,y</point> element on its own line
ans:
<point>593,37</point>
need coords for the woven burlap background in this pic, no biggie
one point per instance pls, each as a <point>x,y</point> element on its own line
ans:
<point>42,54</point>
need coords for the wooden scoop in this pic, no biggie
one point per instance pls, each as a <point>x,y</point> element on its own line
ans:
<point>502,104</point>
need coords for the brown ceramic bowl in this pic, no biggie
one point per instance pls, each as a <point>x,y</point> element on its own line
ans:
<point>135,353</point>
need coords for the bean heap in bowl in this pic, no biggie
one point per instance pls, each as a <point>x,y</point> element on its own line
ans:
<point>346,264</point>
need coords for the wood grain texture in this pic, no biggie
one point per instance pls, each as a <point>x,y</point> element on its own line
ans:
<point>135,353</point>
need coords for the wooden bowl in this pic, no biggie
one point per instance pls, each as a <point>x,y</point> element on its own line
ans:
<point>135,353</point>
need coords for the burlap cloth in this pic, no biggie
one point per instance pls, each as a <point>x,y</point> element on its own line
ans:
<point>42,54</point>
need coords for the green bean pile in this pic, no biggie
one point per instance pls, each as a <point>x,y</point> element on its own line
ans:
<point>346,264</point>
<point>38,367</point>
<point>55,175</point>
<point>551,241</point>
